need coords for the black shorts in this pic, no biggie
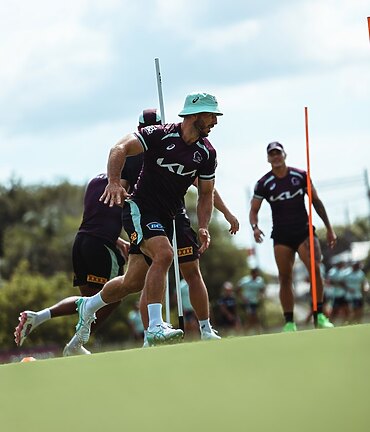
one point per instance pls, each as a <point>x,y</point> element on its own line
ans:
<point>252,308</point>
<point>95,261</point>
<point>357,303</point>
<point>292,238</point>
<point>340,302</point>
<point>187,245</point>
<point>138,228</point>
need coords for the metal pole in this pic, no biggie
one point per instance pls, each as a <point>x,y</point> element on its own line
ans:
<point>174,242</point>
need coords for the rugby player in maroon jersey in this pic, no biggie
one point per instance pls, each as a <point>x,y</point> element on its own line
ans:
<point>187,245</point>
<point>284,188</point>
<point>175,154</point>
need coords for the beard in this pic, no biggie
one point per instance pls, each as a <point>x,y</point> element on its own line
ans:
<point>201,127</point>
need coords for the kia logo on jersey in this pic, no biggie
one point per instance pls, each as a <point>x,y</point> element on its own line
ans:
<point>286,195</point>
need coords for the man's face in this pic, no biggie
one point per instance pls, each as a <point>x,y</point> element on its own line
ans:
<point>204,122</point>
<point>276,158</point>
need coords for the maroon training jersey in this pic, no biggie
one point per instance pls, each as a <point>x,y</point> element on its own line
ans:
<point>170,167</point>
<point>100,220</point>
<point>285,196</point>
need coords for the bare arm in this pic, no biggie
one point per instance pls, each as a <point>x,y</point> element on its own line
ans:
<point>204,212</point>
<point>114,192</point>
<point>221,206</point>
<point>331,237</point>
<point>253,219</point>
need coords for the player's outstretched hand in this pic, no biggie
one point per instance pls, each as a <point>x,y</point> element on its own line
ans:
<point>204,239</point>
<point>113,194</point>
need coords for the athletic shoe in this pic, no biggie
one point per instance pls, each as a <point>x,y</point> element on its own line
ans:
<point>290,327</point>
<point>27,323</point>
<point>85,319</point>
<point>163,334</point>
<point>146,343</point>
<point>70,350</point>
<point>209,335</point>
<point>323,321</point>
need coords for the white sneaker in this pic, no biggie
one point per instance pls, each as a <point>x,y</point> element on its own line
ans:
<point>70,350</point>
<point>85,319</point>
<point>27,323</point>
<point>209,335</point>
<point>163,334</point>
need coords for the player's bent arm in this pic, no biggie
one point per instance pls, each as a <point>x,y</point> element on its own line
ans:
<point>204,212</point>
<point>205,202</point>
<point>114,192</point>
<point>127,146</point>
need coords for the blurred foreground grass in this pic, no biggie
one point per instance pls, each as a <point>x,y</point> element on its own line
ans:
<point>310,380</point>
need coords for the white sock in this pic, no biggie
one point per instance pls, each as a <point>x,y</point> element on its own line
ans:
<point>205,325</point>
<point>95,303</point>
<point>43,316</point>
<point>155,314</point>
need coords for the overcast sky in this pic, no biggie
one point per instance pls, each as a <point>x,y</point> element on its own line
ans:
<point>75,75</point>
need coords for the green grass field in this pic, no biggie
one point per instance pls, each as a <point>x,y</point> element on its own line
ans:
<point>315,380</point>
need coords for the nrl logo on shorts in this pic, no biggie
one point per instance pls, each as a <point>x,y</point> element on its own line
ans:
<point>155,226</point>
<point>197,157</point>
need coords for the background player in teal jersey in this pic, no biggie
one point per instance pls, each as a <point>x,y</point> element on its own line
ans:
<point>284,188</point>
<point>356,288</point>
<point>252,289</point>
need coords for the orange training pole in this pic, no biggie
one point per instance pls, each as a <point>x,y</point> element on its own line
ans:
<point>311,237</point>
<point>368,24</point>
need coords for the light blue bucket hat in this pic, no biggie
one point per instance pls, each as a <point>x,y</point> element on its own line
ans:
<point>200,102</point>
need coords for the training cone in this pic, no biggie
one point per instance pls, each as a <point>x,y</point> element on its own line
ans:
<point>27,359</point>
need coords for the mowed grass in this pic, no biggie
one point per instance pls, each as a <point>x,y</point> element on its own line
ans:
<point>315,380</point>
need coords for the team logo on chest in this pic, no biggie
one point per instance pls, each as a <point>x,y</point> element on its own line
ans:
<point>197,157</point>
<point>286,195</point>
<point>176,168</point>
<point>170,147</point>
<point>295,181</point>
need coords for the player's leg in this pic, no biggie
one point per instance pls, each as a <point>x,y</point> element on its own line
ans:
<point>284,257</point>
<point>304,254</point>
<point>188,253</point>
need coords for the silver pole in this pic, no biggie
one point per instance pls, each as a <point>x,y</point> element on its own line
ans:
<point>174,242</point>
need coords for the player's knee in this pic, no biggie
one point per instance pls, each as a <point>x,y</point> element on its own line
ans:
<point>163,257</point>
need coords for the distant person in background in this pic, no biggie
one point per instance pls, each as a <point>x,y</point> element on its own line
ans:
<point>357,286</point>
<point>335,277</point>
<point>135,322</point>
<point>97,256</point>
<point>252,290</point>
<point>187,243</point>
<point>284,188</point>
<point>228,309</point>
